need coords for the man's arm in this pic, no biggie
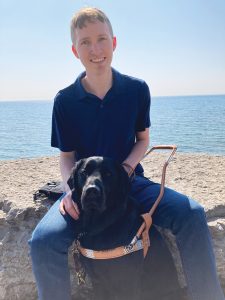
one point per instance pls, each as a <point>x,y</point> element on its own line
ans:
<point>67,205</point>
<point>139,149</point>
<point>66,161</point>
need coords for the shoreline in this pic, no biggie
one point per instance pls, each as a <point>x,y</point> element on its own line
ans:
<point>56,155</point>
<point>199,176</point>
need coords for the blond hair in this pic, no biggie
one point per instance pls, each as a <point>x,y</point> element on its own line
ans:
<point>90,15</point>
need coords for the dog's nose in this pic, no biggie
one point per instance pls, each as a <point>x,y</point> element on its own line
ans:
<point>93,191</point>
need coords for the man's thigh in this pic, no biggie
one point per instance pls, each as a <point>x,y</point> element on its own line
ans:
<point>55,228</point>
<point>173,208</point>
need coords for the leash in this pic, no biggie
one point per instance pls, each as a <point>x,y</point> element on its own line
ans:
<point>144,229</point>
<point>141,239</point>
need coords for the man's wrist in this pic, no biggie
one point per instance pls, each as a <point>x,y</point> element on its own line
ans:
<point>128,168</point>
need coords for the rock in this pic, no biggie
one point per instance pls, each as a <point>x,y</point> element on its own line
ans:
<point>19,214</point>
<point>217,229</point>
<point>16,278</point>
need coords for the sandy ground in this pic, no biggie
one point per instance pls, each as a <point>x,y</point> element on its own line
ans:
<point>199,176</point>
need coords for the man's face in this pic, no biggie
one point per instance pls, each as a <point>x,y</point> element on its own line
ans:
<point>94,46</point>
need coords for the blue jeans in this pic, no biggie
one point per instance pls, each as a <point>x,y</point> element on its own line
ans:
<point>183,216</point>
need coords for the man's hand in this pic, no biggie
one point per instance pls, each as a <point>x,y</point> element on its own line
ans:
<point>67,205</point>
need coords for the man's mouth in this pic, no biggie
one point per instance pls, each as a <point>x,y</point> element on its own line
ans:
<point>98,60</point>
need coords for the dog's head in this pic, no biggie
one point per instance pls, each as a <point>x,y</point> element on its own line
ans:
<point>99,185</point>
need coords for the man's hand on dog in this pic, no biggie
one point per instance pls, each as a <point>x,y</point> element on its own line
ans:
<point>67,205</point>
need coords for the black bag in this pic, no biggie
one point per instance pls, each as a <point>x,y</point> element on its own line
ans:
<point>52,190</point>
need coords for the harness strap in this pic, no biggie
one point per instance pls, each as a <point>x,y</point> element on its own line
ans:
<point>112,253</point>
<point>138,244</point>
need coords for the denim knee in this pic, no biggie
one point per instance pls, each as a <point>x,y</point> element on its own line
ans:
<point>196,211</point>
<point>38,245</point>
<point>191,214</point>
<point>41,244</point>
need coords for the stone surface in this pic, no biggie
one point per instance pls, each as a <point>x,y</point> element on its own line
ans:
<point>199,176</point>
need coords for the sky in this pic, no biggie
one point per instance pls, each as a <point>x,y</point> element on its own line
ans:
<point>176,46</point>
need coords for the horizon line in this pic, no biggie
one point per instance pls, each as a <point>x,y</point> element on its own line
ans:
<point>158,96</point>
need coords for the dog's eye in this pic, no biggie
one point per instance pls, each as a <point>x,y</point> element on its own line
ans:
<point>83,173</point>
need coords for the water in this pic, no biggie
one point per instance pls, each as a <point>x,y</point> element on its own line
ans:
<point>25,129</point>
<point>193,123</point>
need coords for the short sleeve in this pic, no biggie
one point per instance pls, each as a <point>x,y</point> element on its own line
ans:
<point>143,117</point>
<point>61,131</point>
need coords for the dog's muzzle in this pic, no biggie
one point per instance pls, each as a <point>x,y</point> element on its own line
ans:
<point>92,198</point>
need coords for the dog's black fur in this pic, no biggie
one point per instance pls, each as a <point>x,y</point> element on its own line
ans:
<point>110,218</point>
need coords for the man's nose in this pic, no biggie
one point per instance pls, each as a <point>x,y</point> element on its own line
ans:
<point>95,48</point>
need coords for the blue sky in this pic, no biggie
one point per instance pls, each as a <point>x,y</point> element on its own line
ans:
<point>178,47</point>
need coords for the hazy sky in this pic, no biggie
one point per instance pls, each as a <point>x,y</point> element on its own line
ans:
<point>177,46</point>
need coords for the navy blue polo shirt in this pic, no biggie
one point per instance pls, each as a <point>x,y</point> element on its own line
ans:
<point>84,123</point>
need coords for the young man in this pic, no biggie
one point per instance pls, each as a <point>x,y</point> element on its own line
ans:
<point>106,113</point>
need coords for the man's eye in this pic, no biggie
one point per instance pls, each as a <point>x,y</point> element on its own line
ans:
<point>85,43</point>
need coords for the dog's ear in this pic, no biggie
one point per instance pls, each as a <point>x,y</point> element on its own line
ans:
<point>72,181</point>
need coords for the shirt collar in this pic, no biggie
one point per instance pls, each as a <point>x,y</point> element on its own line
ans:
<point>117,86</point>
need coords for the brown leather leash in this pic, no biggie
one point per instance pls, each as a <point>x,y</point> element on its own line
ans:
<point>143,232</point>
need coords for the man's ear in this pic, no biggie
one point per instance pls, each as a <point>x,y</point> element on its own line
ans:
<point>75,51</point>
<point>114,43</point>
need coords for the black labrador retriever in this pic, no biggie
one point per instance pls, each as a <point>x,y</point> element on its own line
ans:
<point>109,218</point>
